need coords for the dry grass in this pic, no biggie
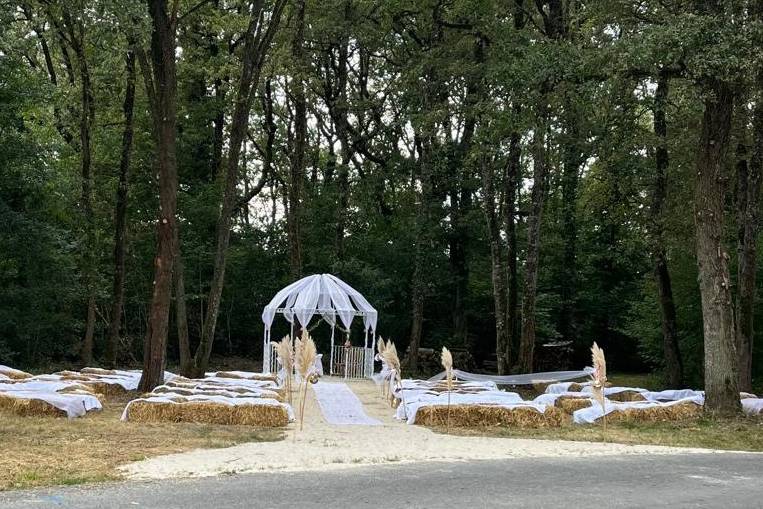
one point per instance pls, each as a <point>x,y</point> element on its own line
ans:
<point>44,451</point>
<point>269,416</point>
<point>485,416</point>
<point>740,434</point>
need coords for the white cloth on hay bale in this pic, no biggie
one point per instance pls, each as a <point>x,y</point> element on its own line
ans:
<point>591,414</point>
<point>550,398</point>
<point>412,402</point>
<point>75,405</point>
<point>168,398</point>
<point>752,406</point>
<point>561,387</point>
<point>522,379</point>
<point>672,394</point>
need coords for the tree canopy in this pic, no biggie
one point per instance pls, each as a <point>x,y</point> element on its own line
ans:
<point>511,179</point>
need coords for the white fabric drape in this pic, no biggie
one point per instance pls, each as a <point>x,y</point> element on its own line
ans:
<point>327,296</point>
<point>524,379</point>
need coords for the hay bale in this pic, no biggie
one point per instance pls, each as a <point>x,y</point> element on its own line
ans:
<point>78,389</point>
<point>14,374</point>
<point>73,375</point>
<point>99,371</point>
<point>29,407</point>
<point>489,415</point>
<point>626,396</point>
<point>661,413</point>
<point>245,375</point>
<point>108,389</point>
<point>223,392</point>
<point>570,404</point>
<point>270,416</point>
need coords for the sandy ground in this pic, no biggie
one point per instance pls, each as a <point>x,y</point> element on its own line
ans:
<point>320,446</point>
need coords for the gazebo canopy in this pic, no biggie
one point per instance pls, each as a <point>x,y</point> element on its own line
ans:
<point>322,294</point>
<point>327,296</point>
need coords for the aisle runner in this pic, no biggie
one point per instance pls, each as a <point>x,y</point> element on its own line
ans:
<point>340,405</point>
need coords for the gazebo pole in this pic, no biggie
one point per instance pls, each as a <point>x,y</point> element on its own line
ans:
<point>365,353</point>
<point>331,352</point>
<point>373,349</point>
<point>265,353</point>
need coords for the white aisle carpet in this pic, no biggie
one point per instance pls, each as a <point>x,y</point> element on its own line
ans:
<point>339,405</point>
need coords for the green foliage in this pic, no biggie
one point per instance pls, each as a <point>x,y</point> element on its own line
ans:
<point>418,72</point>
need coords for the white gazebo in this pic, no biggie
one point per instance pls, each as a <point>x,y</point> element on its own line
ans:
<point>328,296</point>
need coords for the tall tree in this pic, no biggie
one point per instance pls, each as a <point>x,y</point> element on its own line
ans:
<point>721,372</point>
<point>529,294</point>
<point>298,146</point>
<point>671,352</point>
<point>554,28</point>
<point>120,216</point>
<point>163,89</point>
<point>258,39</point>
<point>748,226</point>
<point>71,31</point>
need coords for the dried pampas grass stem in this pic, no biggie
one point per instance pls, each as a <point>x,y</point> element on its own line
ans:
<point>599,379</point>
<point>306,354</point>
<point>285,351</point>
<point>447,362</point>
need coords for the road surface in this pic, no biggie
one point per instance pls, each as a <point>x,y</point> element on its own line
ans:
<point>726,480</point>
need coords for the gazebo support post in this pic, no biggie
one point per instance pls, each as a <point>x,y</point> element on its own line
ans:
<point>265,353</point>
<point>331,352</point>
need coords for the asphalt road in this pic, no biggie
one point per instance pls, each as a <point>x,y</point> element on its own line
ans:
<point>692,480</point>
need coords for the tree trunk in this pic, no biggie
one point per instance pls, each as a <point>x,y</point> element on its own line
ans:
<point>417,311</point>
<point>120,216</point>
<point>671,351</point>
<point>164,88</point>
<point>257,41</point>
<point>498,272</point>
<point>721,362</point>
<point>181,311</point>
<point>571,162</point>
<point>512,178</point>
<point>748,207</point>
<point>75,36</point>
<point>540,177</point>
<point>299,148</point>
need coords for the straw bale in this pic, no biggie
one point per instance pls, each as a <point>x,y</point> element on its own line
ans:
<point>248,376</point>
<point>14,374</point>
<point>489,415</point>
<point>78,389</point>
<point>73,375</point>
<point>105,388</point>
<point>662,413</point>
<point>29,407</point>
<point>224,392</point>
<point>569,404</point>
<point>270,416</point>
<point>626,396</point>
<point>99,371</point>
